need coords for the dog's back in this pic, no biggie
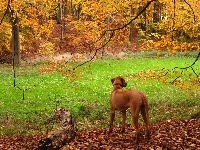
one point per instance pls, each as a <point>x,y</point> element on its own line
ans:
<point>123,99</point>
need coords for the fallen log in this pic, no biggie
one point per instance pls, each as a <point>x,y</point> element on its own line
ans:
<point>65,133</point>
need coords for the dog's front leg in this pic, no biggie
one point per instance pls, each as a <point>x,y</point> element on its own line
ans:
<point>123,121</point>
<point>112,116</point>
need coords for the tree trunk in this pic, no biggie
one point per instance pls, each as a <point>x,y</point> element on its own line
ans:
<point>133,31</point>
<point>16,42</point>
<point>157,12</point>
<point>131,26</point>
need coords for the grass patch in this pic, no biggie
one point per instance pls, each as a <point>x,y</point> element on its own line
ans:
<point>87,93</point>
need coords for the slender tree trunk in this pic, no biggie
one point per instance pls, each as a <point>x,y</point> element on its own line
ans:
<point>133,32</point>
<point>16,42</point>
<point>131,26</point>
<point>61,18</point>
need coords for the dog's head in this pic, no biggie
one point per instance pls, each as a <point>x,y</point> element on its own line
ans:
<point>118,81</point>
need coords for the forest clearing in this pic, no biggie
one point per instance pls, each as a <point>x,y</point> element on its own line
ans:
<point>61,55</point>
<point>29,111</point>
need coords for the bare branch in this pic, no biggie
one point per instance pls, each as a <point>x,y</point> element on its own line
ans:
<point>194,71</point>
<point>191,9</point>
<point>176,78</point>
<point>140,13</point>
<point>96,50</point>
<point>6,11</point>
<point>197,58</point>
<point>112,33</point>
<point>185,68</point>
<point>190,66</point>
<point>182,69</point>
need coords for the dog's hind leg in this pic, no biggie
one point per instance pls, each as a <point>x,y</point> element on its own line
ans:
<point>112,117</point>
<point>145,116</point>
<point>135,114</point>
<point>123,121</point>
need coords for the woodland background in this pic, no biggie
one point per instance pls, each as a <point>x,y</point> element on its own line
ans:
<point>44,27</point>
<point>64,36</point>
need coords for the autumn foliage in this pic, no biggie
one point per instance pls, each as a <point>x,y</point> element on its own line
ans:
<point>89,25</point>
<point>86,28</point>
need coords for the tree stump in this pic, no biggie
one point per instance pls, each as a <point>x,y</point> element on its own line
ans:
<point>65,134</point>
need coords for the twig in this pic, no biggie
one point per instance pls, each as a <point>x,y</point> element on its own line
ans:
<point>182,68</point>
<point>165,72</point>
<point>190,66</point>
<point>93,56</point>
<point>191,9</point>
<point>7,8</point>
<point>176,78</point>
<point>140,13</point>
<point>197,58</point>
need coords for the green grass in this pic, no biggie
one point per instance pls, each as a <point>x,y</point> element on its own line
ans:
<point>87,94</point>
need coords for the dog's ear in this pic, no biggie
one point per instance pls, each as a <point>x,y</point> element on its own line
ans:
<point>124,84</point>
<point>112,80</point>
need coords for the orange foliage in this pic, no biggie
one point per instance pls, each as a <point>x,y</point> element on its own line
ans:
<point>176,30</point>
<point>185,80</point>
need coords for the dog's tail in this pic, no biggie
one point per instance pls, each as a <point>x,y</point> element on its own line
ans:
<point>145,110</point>
<point>145,115</point>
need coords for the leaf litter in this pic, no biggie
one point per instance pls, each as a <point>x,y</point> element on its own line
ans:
<point>166,135</point>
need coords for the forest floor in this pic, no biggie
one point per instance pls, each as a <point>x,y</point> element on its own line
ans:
<point>166,135</point>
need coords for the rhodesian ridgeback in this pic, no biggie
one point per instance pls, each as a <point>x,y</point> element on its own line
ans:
<point>121,100</point>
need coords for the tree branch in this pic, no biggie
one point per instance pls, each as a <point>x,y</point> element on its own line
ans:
<point>96,50</point>
<point>197,58</point>
<point>182,68</point>
<point>7,8</point>
<point>191,9</point>
<point>112,33</point>
<point>190,66</point>
<point>140,13</point>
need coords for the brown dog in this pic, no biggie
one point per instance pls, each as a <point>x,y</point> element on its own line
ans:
<point>121,100</point>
